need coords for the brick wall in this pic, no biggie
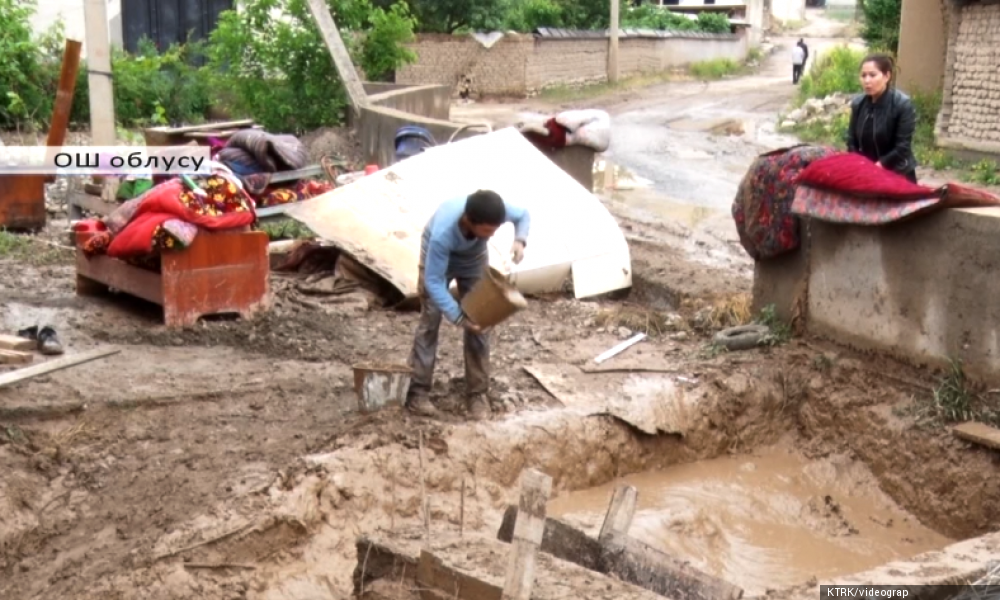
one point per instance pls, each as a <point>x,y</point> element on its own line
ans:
<point>970,111</point>
<point>520,64</point>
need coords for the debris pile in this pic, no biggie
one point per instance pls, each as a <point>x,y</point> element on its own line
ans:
<point>816,110</point>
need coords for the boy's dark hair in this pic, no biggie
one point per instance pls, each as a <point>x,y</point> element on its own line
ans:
<point>485,207</point>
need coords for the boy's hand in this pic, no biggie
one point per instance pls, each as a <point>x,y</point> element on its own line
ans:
<point>517,252</point>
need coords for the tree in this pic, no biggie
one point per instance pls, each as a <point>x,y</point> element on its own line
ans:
<point>449,16</point>
<point>881,24</point>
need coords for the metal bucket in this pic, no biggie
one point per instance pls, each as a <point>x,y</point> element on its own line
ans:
<point>492,300</point>
<point>381,385</point>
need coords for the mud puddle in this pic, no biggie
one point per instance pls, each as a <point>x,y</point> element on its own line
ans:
<point>763,522</point>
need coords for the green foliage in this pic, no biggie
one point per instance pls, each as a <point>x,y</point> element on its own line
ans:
<point>652,16</point>
<point>279,71</point>
<point>24,97</point>
<point>780,333</point>
<point>529,15</point>
<point>160,88</point>
<point>383,49</point>
<point>837,70</point>
<point>714,69</point>
<point>880,28</point>
<point>451,16</point>
<point>713,22</point>
<point>984,172</point>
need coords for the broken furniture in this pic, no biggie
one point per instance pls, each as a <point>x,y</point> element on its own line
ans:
<point>22,197</point>
<point>221,272</point>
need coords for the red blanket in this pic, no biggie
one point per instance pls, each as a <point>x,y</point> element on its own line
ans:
<point>849,173</point>
<point>159,205</point>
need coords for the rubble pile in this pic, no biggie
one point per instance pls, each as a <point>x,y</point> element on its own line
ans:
<point>817,109</point>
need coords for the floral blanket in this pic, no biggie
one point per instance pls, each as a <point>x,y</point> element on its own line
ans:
<point>762,207</point>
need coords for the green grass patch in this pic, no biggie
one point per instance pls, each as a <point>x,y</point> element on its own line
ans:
<point>714,69</point>
<point>954,400</point>
<point>13,245</point>
<point>23,248</point>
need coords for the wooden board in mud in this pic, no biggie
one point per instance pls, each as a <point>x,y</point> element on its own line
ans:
<point>978,433</point>
<point>629,560</point>
<point>474,569</point>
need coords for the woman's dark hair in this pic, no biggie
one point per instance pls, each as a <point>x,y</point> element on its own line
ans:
<point>485,207</point>
<point>884,63</point>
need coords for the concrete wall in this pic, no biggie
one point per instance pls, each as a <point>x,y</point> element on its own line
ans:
<point>970,107</point>
<point>922,290</point>
<point>520,64</point>
<point>396,105</point>
<point>922,45</point>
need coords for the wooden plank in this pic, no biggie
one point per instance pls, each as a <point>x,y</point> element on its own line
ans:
<point>438,581</point>
<point>64,96</point>
<point>628,560</point>
<point>621,510</point>
<point>559,539</point>
<point>978,433</point>
<point>13,357</point>
<point>57,364</point>
<point>341,58</point>
<point>656,571</point>
<point>14,342</point>
<point>529,528</point>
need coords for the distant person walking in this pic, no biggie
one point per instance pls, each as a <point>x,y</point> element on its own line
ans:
<point>799,54</point>
<point>802,43</point>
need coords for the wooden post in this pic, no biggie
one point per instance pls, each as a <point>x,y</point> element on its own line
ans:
<point>341,58</point>
<point>620,513</point>
<point>613,44</point>
<point>528,530</point>
<point>64,96</point>
<point>102,97</point>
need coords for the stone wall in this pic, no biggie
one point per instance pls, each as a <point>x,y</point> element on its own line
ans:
<point>516,65</point>
<point>970,108</point>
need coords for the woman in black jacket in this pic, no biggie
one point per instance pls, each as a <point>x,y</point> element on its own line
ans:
<point>883,120</point>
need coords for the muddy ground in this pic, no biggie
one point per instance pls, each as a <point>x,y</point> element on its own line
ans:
<point>229,460</point>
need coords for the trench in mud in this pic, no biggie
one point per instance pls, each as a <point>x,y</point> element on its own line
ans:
<point>742,493</point>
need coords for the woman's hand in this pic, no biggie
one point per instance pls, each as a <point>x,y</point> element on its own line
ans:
<point>879,165</point>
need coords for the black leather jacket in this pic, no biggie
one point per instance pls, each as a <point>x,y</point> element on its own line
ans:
<point>883,131</point>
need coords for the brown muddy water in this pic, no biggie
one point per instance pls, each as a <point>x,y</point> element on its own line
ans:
<point>767,521</point>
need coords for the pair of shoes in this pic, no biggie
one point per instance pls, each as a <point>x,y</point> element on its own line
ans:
<point>478,407</point>
<point>422,405</point>
<point>48,341</point>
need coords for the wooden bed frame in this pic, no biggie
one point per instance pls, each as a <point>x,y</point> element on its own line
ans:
<point>221,272</point>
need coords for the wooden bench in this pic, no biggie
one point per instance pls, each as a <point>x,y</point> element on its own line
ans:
<point>221,272</point>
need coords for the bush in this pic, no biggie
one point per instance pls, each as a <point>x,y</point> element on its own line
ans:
<point>529,15</point>
<point>26,94</point>
<point>881,24</point>
<point>652,16</point>
<point>279,71</point>
<point>160,88</point>
<point>383,49</point>
<point>713,22</point>
<point>835,71</point>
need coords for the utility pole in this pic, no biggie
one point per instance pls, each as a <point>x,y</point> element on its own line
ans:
<point>613,44</point>
<point>102,97</point>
